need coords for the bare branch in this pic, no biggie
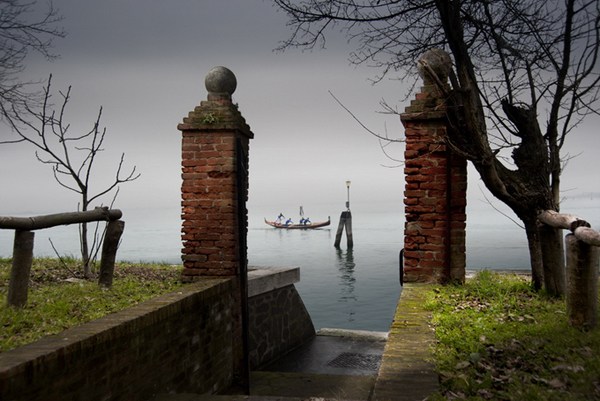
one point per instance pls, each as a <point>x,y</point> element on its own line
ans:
<point>71,157</point>
<point>361,123</point>
<point>24,28</point>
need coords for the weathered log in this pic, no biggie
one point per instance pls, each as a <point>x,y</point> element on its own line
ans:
<point>582,283</point>
<point>21,268</point>
<point>58,219</point>
<point>587,235</point>
<point>112,236</point>
<point>560,220</point>
<point>581,228</point>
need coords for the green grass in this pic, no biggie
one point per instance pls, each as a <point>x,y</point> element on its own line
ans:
<point>498,339</point>
<point>55,304</point>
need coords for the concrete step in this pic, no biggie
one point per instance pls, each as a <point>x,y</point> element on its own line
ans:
<point>311,385</point>
<point>292,386</point>
<point>196,397</point>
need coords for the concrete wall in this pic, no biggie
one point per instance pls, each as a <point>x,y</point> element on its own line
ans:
<point>278,319</point>
<point>180,342</point>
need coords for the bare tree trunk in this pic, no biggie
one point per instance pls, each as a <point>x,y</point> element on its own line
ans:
<point>85,252</point>
<point>553,259</point>
<point>535,252</point>
<point>21,268</point>
<point>83,236</point>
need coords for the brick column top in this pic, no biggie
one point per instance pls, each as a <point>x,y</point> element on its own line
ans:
<point>434,68</point>
<point>218,112</point>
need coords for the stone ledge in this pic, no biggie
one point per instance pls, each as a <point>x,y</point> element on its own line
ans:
<point>406,372</point>
<point>134,353</point>
<point>265,279</point>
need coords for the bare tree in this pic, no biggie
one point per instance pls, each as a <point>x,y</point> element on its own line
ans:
<point>24,28</point>
<point>71,156</point>
<point>525,74</point>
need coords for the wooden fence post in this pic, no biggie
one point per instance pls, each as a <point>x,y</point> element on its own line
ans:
<point>582,283</point>
<point>114,229</point>
<point>21,268</point>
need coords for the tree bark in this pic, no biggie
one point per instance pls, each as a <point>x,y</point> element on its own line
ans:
<point>553,259</point>
<point>535,252</point>
<point>85,252</point>
<point>21,268</point>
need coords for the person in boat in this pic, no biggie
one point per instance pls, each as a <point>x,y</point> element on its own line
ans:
<point>280,218</point>
<point>307,221</point>
<point>288,222</point>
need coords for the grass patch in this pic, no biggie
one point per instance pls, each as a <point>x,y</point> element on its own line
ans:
<point>58,299</point>
<point>498,339</point>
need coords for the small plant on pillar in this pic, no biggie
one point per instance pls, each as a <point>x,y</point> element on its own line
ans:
<point>210,118</point>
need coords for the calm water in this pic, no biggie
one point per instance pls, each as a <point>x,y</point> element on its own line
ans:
<point>355,289</point>
<point>352,289</point>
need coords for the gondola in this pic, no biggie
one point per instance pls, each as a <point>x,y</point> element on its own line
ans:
<point>307,226</point>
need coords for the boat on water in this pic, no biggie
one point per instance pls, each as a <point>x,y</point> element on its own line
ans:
<point>300,226</point>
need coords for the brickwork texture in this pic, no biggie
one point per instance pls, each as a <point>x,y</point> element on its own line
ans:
<point>215,142</point>
<point>180,342</point>
<point>434,196</point>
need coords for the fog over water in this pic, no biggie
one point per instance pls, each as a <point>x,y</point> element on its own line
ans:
<point>145,61</point>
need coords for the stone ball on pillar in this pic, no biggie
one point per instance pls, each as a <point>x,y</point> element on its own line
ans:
<point>220,80</point>
<point>435,61</point>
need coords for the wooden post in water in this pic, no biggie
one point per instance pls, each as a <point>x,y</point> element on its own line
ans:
<point>345,221</point>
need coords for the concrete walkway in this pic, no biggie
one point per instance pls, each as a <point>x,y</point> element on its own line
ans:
<point>406,373</point>
<point>351,365</point>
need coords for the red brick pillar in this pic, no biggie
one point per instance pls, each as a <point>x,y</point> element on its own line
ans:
<point>215,141</point>
<point>436,185</point>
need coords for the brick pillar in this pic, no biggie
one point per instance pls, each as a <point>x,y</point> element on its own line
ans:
<point>213,133</point>
<point>215,141</point>
<point>436,185</point>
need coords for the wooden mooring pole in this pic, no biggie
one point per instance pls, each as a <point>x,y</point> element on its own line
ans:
<point>345,221</point>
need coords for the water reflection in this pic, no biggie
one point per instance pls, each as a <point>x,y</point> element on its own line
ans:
<point>345,264</point>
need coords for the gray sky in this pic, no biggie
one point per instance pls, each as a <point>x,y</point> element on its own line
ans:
<point>145,61</point>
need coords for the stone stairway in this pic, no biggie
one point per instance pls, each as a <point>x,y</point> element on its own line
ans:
<point>343,365</point>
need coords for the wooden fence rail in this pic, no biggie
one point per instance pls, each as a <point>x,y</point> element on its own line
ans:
<point>23,245</point>
<point>582,264</point>
<point>580,228</point>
